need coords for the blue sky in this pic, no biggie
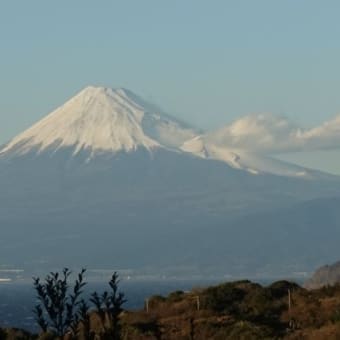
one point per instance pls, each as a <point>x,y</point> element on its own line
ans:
<point>208,62</point>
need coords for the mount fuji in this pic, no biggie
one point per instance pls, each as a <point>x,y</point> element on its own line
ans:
<point>100,120</point>
<point>109,180</point>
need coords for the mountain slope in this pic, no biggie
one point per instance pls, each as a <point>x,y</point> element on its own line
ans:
<point>100,120</point>
<point>107,121</point>
<point>327,275</point>
<point>206,147</point>
<point>188,211</point>
<point>105,172</point>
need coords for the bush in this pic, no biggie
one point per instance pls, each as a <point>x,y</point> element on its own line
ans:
<point>155,300</point>
<point>175,296</point>
<point>61,309</point>
<point>223,298</point>
<point>109,305</point>
<point>58,311</point>
<point>279,289</point>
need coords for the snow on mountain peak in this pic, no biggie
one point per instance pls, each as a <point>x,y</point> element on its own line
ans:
<point>100,119</point>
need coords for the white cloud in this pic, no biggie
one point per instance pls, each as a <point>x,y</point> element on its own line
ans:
<point>271,134</point>
<point>264,133</point>
<point>326,136</point>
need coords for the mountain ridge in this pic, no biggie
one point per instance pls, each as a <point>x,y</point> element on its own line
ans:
<point>101,120</point>
<point>145,197</point>
<point>98,119</point>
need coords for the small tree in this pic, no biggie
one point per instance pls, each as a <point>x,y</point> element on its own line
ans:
<point>60,310</point>
<point>109,305</point>
<point>84,317</point>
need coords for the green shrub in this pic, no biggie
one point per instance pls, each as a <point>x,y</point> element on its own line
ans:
<point>223,298</point>
<point>335,317</point>
<point>58,311</point>
<point>175,296</point>
<point>109,306</point>
<point>279,289</point>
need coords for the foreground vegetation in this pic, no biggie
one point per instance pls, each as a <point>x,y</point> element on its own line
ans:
<point>235,310</point>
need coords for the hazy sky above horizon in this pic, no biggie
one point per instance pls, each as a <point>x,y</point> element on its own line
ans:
<point>207,62</point>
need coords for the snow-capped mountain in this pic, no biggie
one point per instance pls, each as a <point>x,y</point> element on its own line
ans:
<point>109,172</point>
<point>249,161</point>
<point>100,120</point>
